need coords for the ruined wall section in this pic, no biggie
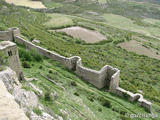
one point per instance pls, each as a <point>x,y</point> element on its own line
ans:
<point>107,76</point>
<point>6,35</point>
<point>10,50</point>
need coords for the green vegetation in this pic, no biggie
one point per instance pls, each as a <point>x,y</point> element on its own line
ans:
<point>51,3</point>
<point>37,111</point>
<point>3,61</point>
<point>138,72</point>
<point>79,97</point>
<point>58,21</point>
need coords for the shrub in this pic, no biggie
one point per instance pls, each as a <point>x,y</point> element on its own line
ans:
<point>25,64</point>
<point>91,99</point>
<point>47,96</point>
<point>29,55</point>
<point>37,57</point>
<point>25,55</point>
<point>105,102</point>
<point>125,95</point>
<point>40,67</point>
<point>50,71</point>
<point>37,111</point>
<point>78,41</point>
<point>3,59</point>
<point>76,94</point>
<point>73,83</point>
<point>100,109</point>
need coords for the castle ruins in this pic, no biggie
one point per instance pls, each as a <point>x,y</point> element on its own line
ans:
<point>106,77</point>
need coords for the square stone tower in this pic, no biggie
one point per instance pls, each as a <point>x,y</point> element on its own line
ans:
<point>9,49</point>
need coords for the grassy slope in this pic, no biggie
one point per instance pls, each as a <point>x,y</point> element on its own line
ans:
<point>85,104</point>
<point>140,72</point>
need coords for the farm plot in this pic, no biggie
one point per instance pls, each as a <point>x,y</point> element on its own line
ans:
<point>137,47</point>
<point>89,36</point>
<point>27,3</point>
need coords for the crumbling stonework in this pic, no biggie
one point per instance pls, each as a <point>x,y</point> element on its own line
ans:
<point>9,109</point>
<point>9,49</point>
<point>106,77</point>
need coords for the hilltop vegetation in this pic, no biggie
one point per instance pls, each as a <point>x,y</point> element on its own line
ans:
<point>138,72</point>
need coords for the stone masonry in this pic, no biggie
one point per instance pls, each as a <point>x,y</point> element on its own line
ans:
<point>106,77</point>
<point>10,50</point>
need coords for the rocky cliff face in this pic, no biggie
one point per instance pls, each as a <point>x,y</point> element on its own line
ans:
<point>9,109</point>
<point>21,102</point>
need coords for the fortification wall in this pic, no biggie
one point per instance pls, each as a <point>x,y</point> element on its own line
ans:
<point>107,76</point>
<point>10,50</point>
<point>6,35</point>
<point>54,56</point>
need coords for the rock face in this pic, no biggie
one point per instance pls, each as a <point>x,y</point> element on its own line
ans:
<point>27,100</point>
<point>9,109</point>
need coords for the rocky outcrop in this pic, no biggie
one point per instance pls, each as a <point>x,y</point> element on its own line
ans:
<point>27,100</point>
<point>9,109</point>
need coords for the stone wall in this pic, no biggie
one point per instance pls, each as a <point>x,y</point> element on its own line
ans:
<point>10,50</point>
<point>106,77</point>
<point>6,35</point>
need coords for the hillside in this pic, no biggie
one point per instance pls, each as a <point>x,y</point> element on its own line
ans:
<point>120,22</point>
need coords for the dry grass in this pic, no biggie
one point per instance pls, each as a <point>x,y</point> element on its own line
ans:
<point>27,3</point>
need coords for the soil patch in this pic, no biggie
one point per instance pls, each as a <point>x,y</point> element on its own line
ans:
<point>89,36</point>
<point>27,3</point>
<point>137,47</point>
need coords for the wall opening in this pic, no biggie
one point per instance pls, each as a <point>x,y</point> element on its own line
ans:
<point>9,53</point>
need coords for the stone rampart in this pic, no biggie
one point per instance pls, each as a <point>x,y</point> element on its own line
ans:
<point>106,77</point>
<point>6,35</point>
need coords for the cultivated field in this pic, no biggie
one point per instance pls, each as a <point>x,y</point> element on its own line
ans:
<point>27,3</point>
<point>89,36</point>
<point>58,21</point>
<point>138,72</point>
<point>128,24</point>
<point>137,47</point>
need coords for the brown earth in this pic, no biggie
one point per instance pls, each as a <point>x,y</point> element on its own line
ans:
<point>137,47</point>
<point>89,36</point>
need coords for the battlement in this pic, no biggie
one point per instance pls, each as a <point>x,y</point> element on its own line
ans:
<point>106,77</point>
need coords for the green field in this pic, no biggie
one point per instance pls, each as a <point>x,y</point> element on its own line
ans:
<point>79,99</point>
<point>138,72</point>
<point>58,21</point>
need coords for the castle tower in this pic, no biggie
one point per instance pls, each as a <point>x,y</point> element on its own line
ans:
<point>9,49</point>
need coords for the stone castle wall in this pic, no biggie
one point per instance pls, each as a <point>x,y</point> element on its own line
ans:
<point>10,50</point>
<point>107,76</point>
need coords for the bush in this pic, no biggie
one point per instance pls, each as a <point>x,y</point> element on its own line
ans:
<point>50,71</point>
<point>3,59</point>
<point>125,95</point>
<point>37,111</point>
<point>73,83</point>
<point>40,67</point>
<point>105,102</point>
<point>100,109</point>
<point>25,64</point>
<point>37,57</point>
<point>29,55</point>
<point>47,96</point>
<point>25,55</point>
<point>76,94</point>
